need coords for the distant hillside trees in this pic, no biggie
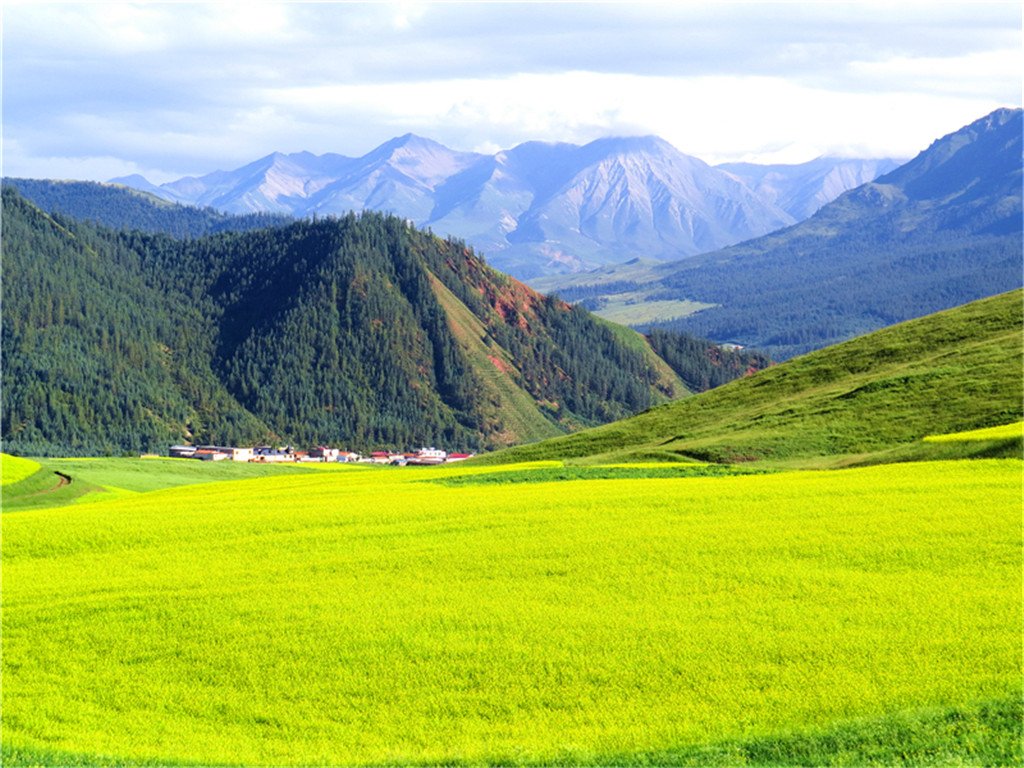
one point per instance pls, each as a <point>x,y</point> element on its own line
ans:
<point>938,232</point>
<point>780,301</point>
<point>703,365</point>
<point>119,207</point>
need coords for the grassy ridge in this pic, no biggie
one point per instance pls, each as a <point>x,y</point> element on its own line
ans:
<point>954,371</point>
<point>669,384</point>
<point>514,414</point>
<point>374,618</point>
<point>45,488</point>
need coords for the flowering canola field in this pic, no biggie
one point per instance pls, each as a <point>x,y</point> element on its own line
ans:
<point>989,433</point>
<point>383,617</point>
<point>16,468</point>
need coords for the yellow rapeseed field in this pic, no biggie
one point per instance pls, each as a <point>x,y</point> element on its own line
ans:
<point>15,468</point>
<point>989,433</point>
<point>374,617</point>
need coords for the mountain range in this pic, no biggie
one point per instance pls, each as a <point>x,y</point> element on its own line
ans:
<point>800,190</point>
<point>937,232</point>
<point>538,208</point>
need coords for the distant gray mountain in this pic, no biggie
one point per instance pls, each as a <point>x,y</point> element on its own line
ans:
<point>399,176</point>
<point>536,209</point>
<point>616,199</point>
<point>141,183</point>
<point>800,190</point>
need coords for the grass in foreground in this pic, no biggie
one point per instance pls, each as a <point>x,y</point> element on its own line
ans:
<point>987,734</point>
<point>372,618</point>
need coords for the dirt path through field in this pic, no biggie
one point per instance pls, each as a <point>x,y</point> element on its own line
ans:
<point>64,480</point>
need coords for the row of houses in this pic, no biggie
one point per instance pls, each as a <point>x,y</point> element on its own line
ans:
<point>266,454</point>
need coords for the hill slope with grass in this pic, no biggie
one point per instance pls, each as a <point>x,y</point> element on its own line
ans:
<point>869,399</point>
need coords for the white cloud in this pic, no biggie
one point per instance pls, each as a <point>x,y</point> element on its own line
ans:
<point>408,14</point>
<point>18,164</point>
<point>192,87</point>
<point>995,73</point>
<point>715,118</point>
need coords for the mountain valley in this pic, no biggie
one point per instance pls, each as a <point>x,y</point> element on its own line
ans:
<point>131,321</point>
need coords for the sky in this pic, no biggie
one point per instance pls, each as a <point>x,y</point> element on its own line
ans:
<point>95,91</point>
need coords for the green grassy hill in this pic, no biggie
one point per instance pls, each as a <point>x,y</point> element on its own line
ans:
<point>867,400</point>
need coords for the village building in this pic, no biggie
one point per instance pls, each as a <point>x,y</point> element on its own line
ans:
<point>210,453</point>
<point>429,456</point>
<point>230,452</point>
<point>322,453</point>
<point>266,455</point>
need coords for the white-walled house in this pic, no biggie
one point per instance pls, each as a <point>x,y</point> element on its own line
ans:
<point>210,452</point>
<point>235,454</point>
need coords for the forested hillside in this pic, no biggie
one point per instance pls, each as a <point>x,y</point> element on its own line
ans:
<point>120,207</point>
<point>357,331</point>
<point>97,357</point>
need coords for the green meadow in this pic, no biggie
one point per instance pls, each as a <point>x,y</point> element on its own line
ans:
<point>530,614</point>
